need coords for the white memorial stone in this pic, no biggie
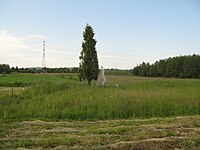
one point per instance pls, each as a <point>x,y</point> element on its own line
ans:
<point>102,78</point>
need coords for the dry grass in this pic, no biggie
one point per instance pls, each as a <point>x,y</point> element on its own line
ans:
<point>162,133</point>
<point>8,90</point>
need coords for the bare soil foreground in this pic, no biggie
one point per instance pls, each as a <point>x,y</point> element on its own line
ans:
<point>141,134</point>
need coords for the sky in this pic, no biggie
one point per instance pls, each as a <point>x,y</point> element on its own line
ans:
<point>128,32</point>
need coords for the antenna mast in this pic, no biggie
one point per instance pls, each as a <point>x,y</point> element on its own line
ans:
<point>43,57</point>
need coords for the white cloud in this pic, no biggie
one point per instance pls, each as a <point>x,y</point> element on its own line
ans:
<point>19,50</point>
<point>9,42</point>
<point>26,51</point>
<point>36,36</point>
<point>115,60</point>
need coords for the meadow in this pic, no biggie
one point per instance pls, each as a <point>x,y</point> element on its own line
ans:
<point>56,111</point>
<point>62,96</point>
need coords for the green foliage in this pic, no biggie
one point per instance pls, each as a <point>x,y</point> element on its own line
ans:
<point>197,141</point>
<point>178,67</point>
<point>4,69</point>
<point>47,70</point>
<point>113,71</point>
<point>89,67</point>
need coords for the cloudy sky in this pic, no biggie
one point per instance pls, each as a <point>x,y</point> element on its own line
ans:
<point>127,31</point>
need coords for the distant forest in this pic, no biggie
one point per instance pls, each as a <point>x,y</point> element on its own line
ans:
<point>177,67</point>
<point>6,69</point>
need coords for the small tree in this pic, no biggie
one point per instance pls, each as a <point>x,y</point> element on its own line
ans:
<point>88,67</point>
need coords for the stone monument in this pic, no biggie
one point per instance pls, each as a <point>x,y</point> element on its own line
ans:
<point>102,78</point>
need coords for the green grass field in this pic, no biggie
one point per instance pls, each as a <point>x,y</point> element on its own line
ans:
<point>55,99</point>
<point>62,96</point>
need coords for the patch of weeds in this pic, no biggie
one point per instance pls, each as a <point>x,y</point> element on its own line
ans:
<point>47,134</point>
<point>18,143</point>
<point>62,76</point>
<point>70,77</point>
<point>162,134</point>
<point>94,140</point>
<point>140,146</point>
<point>196,124</point>
<point>47,126</point>
<point>170,133</point>
<point>188,144</point>
<point>173,144</point>
<point>197,141</point>
<point>142,135</point>
<point>71,141</point>
<point>53,142</point>
<point>19,84</point>
<point>120,130</point>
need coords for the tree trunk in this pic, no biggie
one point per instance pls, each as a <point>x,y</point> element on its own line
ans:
<point>89,82</point>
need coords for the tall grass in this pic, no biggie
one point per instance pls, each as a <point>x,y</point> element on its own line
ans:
<point>64,97</point>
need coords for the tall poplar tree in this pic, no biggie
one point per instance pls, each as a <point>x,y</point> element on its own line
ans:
<point>89,66</point>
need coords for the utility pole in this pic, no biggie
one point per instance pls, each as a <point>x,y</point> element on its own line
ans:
<point>43,58</point>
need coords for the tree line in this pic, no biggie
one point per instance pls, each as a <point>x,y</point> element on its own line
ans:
<point>6,69</point>
<point>179,67</point>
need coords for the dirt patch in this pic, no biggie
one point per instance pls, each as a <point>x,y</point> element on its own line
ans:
<point>10,90</point>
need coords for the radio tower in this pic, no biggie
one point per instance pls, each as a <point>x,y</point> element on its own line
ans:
<point>43,58</point>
